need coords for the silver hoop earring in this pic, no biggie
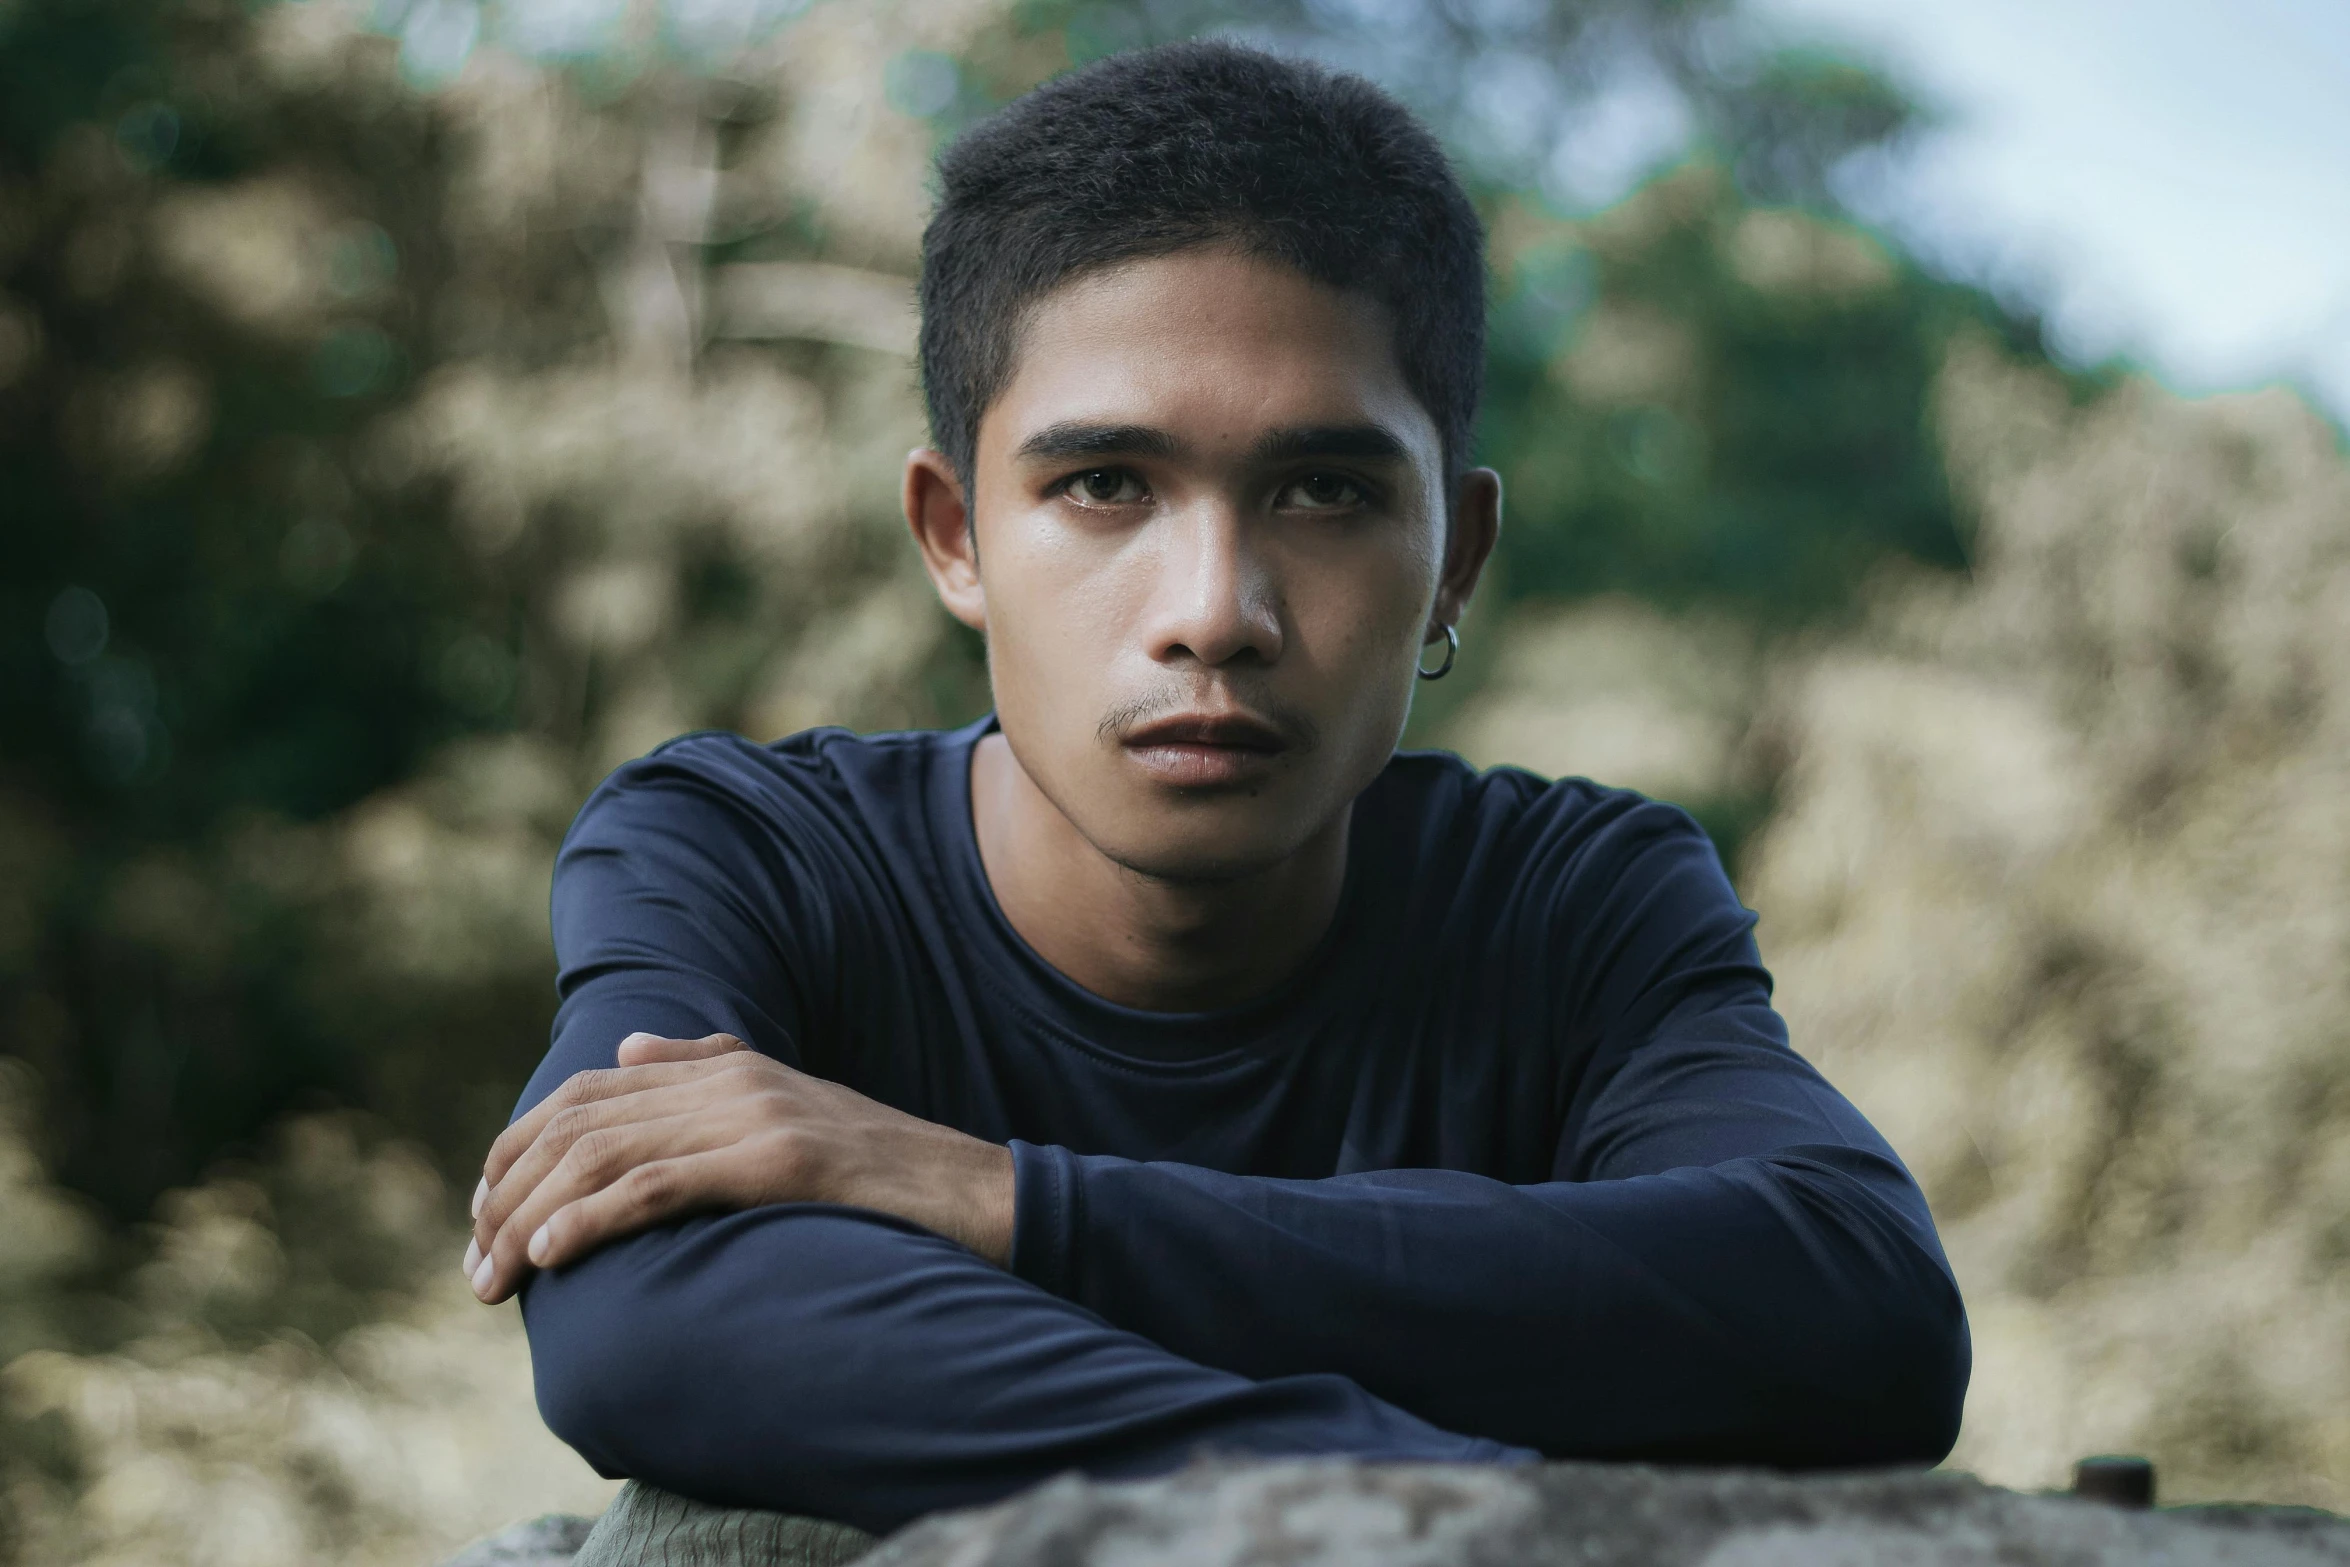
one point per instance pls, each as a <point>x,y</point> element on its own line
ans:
<point>1452,650</point>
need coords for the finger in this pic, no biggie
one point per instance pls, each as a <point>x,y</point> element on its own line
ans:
<point>596,1161</point>
<point>650,1194</point>
<point>643,1049</point>
<point>560,1131</point>
<point>580,1088</point>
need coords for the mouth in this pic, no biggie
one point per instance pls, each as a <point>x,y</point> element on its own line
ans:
<point>1206,751</point>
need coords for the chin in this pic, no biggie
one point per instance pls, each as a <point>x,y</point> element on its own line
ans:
<point>1209,841</point>
<point>1188,866</point>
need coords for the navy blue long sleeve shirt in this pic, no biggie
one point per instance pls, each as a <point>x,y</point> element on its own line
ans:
<point>1519,1162</point>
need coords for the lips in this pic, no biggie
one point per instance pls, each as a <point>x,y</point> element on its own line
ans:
<point>1206,751</point>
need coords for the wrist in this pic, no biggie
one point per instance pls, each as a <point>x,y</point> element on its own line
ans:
<point>957,1185</point>
<point>993,1205</point>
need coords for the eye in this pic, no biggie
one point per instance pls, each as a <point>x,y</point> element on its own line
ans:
<point>1107,487</point>
<point>1322,492</point>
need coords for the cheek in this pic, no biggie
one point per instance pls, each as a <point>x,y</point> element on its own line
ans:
<point>1052,617</point>
<point>1357,632</point>
<point>1360,613</point>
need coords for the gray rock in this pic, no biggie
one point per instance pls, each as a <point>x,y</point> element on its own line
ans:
<point>1342,1514</point>
<point>550,1541</point>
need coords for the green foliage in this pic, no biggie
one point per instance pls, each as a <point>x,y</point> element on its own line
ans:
<point>1798,116</point>
<point>234,619</point>
<point>1698,401</point>
<point>353,526</point>
<point>207,612</point>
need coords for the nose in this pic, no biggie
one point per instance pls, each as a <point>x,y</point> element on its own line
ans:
<point>1216,600</point>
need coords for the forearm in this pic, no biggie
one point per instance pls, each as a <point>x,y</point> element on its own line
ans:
<point>1764,1309</point>
<point>834,1362</point>
<point>847,1363</point>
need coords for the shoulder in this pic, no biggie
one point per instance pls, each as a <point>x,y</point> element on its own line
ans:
<point>1508,819</point>
<point>714,788</point>
<point>712,832</point>
<point>1591,875</point>
<point>1619,901</point>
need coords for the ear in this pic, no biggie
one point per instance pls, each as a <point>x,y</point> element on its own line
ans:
<point>940,515</point>
<point>1476,524</point>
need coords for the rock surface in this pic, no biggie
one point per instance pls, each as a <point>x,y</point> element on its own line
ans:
<point>1334,1513</point>
<point>1308,1514</point>
<point>550,1541</point>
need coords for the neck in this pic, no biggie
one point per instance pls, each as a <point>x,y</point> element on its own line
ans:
<point>1143,941</point>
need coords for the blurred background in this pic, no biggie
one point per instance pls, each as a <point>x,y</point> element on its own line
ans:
<point>410,409</point>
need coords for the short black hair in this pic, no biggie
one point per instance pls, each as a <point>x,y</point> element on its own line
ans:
<point>1188,144</point>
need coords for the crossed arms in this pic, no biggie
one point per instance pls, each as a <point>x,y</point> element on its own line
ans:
<point>1729,1266</point>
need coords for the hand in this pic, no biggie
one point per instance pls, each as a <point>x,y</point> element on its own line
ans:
<point>688,1125</point>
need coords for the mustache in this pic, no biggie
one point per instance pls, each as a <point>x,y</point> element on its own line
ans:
<point>1294,726</point>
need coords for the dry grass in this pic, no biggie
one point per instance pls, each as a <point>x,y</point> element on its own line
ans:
<point>2056,890</point>
<point>306,1379</point>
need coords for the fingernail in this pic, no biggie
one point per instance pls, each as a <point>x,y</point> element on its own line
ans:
<point>539,1245</point>
<point>481,1194</point>
<point>481,1279</point>
<point>633,1038</point>
<point>472,1257</point>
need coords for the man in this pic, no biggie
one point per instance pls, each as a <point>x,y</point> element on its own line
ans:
<point>1165,1063</point>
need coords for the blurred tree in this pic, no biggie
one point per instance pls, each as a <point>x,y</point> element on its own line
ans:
<point>343,428</point>
<point>1700,400</point>
<point>396,434</point>
<point>210,285</point>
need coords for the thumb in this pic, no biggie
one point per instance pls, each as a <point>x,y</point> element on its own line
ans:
<point>645,1049</point>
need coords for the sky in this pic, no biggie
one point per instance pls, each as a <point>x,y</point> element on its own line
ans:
<point>2168,179</point>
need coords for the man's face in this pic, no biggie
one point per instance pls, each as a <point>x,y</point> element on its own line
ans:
<point>1210,529</point>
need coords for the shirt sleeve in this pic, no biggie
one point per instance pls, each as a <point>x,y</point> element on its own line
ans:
<point>820,1359</point>
<point>1730,1264</point>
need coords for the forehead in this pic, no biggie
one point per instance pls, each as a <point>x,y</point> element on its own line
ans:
<point>1212,345</point>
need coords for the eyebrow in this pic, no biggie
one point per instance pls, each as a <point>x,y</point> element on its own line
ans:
<point>1077,439</point>
<point>1371,441</point>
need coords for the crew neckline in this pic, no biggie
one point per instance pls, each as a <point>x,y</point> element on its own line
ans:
<point>1199,1038</point>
